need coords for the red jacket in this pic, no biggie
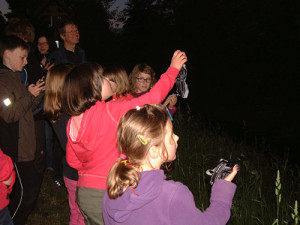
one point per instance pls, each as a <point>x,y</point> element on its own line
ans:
<point>92,148</point>
<point>121,98</point>
<point>6,171</point>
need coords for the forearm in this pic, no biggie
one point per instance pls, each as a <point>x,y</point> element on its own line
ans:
<point>15,108</point>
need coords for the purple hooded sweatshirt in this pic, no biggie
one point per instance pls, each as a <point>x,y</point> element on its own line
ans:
<point>158,201</point>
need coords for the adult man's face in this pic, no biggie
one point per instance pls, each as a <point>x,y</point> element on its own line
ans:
<point>71,35</point>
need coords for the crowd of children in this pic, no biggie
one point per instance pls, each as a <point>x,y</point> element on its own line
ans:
<point>115,141</point>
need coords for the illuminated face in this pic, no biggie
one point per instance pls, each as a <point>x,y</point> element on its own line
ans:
<point>16,59</point>
<point>106,90</point>
<point>43,45</point>
<point>143,82</point>
<point>171,140</point>
<point>71,35</point>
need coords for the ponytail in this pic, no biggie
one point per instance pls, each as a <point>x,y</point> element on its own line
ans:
<point>138,130</point>
<point>123,175</point>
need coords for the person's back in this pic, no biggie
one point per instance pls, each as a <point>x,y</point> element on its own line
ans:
<point>91,131</point>
<point>137,189</point>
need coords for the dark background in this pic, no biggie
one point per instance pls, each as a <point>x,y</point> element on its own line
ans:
<point>243,68</point>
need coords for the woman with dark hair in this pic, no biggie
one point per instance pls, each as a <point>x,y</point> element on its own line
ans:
<point>44,46</point>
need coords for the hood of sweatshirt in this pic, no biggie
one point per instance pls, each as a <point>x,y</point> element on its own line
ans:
<point>148,189</point>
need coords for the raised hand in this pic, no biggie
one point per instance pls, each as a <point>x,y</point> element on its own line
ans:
<point>48,66</point>
<point>232,174</point>
<point>178,59</point>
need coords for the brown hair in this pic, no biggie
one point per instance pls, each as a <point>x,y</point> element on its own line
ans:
<point>20,27</point>
<point>150,122</point>
<point>82,88</point>
<point>53,94</point>
<point>137,69</point>
<point>62,26</point>
<point>119,76</point>
<point>12,42</point>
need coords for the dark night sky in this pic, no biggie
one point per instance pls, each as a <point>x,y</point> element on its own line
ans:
<point>243,68</point>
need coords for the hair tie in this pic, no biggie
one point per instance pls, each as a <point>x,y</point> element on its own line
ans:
<point>142,139</point>
<point>126,163</point>
<point>122,156</point>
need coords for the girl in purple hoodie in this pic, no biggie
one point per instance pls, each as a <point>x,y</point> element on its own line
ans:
<point>137,189</point>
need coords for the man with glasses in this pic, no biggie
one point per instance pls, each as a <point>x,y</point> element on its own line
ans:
<point>69,52</point>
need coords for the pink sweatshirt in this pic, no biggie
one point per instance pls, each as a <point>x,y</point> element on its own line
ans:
<point>92,136</point>
<point>6,171</point>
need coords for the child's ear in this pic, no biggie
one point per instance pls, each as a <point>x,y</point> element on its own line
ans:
<point>154,152</point>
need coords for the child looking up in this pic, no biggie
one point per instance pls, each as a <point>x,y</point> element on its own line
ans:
<point>142,78</point>
<point>92,129</point>
<point>137,190</point>
<point>53,110</point>
<point>119,82</point>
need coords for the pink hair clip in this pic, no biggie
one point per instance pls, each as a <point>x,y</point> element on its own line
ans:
<point>122,156</point>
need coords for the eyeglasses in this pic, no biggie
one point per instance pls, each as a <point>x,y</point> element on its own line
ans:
<point>142,80</point>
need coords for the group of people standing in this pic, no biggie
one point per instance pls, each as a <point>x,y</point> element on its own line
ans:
<point>114,146</point>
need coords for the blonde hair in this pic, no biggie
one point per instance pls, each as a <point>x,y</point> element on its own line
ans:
<point>119,76</point>
<point>137,69</point>
<point>53,94</point>
<point>149,122</point>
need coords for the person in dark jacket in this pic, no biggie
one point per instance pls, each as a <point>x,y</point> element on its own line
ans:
<point>69,51</point>
<point>17,127</point>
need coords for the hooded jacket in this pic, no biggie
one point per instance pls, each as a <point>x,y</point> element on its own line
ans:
<point>158,201</point>
<point>92,136</point>
<point>6,171</point>
<point>17,132</point>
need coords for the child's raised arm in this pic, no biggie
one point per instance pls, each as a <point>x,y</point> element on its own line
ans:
<point>232,174</point>
<point>178,59</point>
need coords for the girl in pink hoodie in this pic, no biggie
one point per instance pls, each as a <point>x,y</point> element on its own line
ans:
<point>92,129</point>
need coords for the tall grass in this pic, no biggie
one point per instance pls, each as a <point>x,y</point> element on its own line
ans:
<point>202,144</point>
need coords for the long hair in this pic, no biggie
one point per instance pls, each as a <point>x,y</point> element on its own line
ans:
<point>53,94</point>
<point>82,88</point>
<point>137,69</point>
<point>149,122</point>
<point>118,75</point>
